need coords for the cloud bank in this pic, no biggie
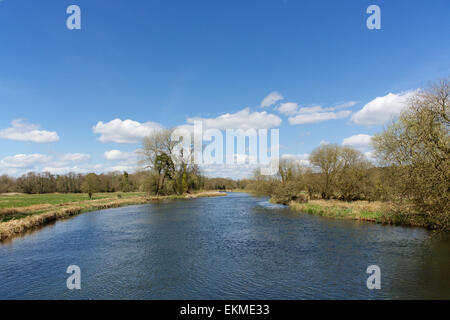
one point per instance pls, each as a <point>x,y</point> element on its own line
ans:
<point>20,130</point>
<point>244,119</point>
<point>383,109</point>
<point>124,131</point>
<point>359,141</point>
<point>315,117</point>
<point>23,163</point>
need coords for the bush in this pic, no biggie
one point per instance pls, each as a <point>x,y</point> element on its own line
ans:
<point>286,192</point>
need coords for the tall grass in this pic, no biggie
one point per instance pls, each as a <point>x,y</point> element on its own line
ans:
<point>357,210</point>
<point>379,212</point>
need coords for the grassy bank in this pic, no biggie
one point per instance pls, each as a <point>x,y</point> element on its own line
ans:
<point>378,212</point>
<point>20,213</point>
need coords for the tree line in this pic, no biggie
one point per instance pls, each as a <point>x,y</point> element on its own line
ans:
<point>166,170</point>
<point>411,171</point>
<point>40,183</point>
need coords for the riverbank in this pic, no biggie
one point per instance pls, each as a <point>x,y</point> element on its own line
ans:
<point>16,217</point>
<point>377,211</point>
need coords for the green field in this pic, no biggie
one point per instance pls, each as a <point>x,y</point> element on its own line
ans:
<point>22,212</point>
<point>26,200</point>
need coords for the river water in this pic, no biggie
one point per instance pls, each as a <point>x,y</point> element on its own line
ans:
<point>233,247</point>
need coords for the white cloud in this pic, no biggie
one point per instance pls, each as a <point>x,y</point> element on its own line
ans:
<point>313,114</point>
<point>288,108</point>
<point>24,161</point>
<point>383,109</point>
<point>234,171</point>
<point>359,141</point>
<point>128,160</point>
<point>370,155</point>
<point>23,131</point>
<point>243,119</point>
<point>121,168</point>
<point>345,105</point>
<point>65,163</point>
<point>84,168</point>
<point>125,161</point>
<point>292,108</point>
<point>75,157</point>
<point>271,99</point>
<point>117,155</point>
<point>314,117</point>
<point>363,143</point>
<point>65,160</point>
<point>313,109</point>
<point>242,167</point>
<point>301,159</point>
<point>124,131</point>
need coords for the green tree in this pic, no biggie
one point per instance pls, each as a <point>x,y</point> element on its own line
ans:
<point>91,184</point>
<point>165,168</point>
<point>171,169</point>
<point>184,181</point>
<point>416,151</point>
<point>125,184</point>
<point>352,177</point>
<point>326,159</point>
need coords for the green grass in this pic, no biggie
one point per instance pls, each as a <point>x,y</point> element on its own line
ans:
<point>377,216</point>
<point>20,212</point>
<point>26,200</point>
<point>341,210</point>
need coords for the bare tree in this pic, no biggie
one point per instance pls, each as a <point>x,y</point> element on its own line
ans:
<point>326,159</point>
<point>169,163</point>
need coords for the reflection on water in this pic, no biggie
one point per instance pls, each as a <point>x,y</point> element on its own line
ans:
<point>234,247</point>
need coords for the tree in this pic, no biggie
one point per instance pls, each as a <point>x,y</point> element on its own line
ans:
<point>353,174</point>
<point>91,184</point>
<point>343,172</point>
<point>416,150</point>
<point>326,159</point>
<point>156,155</point>
<point>7,184</point>
<point>125,184</point>
<point>165,168</point>
<point>171,169</point>
<point>286,170</point>
<point>160,141</point>
<point>184,182</point>
<point>313,183</point>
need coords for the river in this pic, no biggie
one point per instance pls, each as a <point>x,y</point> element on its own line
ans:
<point>233,247</point>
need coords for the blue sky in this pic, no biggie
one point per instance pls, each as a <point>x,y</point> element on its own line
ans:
<point>159,63</point>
